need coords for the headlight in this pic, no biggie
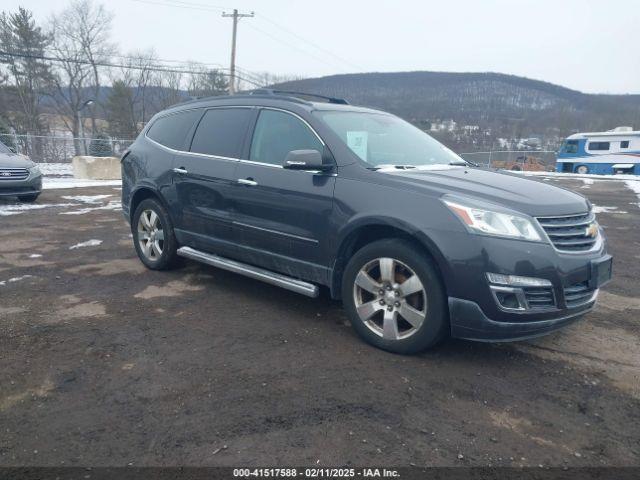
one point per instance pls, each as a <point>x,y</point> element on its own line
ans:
<point>35,170</point>
<point>500,224</point>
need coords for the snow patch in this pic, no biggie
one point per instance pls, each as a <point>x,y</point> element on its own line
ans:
<point>17,209</point>
<point>112,205</point>
<point>56,169</point>
<point>35,255</point>
<point>635,187</point>
<point>599,209</point>
<point>61,183</point>
<point>590,176</point>
<point>15,279</point>
<point>91,199</point>
<point>89,243</point>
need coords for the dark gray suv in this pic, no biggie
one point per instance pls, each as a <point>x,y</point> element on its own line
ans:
<point>418,244</point>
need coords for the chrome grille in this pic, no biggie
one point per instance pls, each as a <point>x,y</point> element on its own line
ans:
<point>539,298</point>
<point>578,294</point>
<point>571,233</point>
<point>13,173</point>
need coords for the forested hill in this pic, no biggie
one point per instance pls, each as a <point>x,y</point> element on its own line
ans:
<point>501,105</point>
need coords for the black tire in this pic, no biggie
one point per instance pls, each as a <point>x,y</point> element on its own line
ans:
<point>168,257</point>
<point>29,198</point>
<point>435,326</point>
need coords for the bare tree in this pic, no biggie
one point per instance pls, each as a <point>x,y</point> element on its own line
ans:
<point>205,81</point>
<point>92,31</point>
<point>138,74</point>
<point>168,86</point>
<point>80,35</point>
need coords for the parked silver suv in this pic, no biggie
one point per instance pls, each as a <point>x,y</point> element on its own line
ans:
<point>19,176</point>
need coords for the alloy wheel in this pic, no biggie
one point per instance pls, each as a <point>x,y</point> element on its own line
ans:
<point>390,298</point>
<point>150,235</point>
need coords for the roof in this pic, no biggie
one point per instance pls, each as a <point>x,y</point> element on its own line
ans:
<point>634,133</point>
<point>274,98</point>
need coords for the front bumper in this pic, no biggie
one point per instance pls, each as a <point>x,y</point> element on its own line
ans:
<point>30,186</point>
<point>469,322</point>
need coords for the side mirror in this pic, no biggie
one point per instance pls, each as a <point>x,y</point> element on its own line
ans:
<point>305,160</point>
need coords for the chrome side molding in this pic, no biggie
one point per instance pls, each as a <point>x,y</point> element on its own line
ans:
<point>267,276</point>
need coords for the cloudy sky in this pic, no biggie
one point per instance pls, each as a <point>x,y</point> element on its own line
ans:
<point>588,45</point>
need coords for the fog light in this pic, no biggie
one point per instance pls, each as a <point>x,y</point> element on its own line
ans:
<point>517,281</point>
<point>508,300</point>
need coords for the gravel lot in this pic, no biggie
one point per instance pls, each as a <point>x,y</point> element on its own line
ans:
<point>106,363</point>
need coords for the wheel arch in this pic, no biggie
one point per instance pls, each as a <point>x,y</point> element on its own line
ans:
<point>366,231</point>
<point>144,192</point>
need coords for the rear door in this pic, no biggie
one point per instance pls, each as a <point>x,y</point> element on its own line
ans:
<point>282,216</point>
<point>205,175</point>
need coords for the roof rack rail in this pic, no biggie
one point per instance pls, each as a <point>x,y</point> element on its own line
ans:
<point>270,91</point>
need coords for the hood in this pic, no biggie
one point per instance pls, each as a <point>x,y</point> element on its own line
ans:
<point>510,190</point>
<point>12,160</point>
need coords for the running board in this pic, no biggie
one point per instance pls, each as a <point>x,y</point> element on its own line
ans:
<point>257,273</point>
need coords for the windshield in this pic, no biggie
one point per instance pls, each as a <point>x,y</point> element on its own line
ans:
<point>4,148</point>
<point>380,140</point>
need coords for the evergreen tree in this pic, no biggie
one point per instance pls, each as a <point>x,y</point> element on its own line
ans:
<point>6,136</point>
<point>100,146</point>
<point>23,41</point>
<point>120,111</point>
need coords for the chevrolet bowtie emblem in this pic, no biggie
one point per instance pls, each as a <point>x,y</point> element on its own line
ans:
<point>592,231</point>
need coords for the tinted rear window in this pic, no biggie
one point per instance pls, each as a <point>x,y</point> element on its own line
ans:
<point>172,130</point>
<point>221,132</point>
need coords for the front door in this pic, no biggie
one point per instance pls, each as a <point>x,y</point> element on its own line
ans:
<point>282,216</point>
<point>205,177</point>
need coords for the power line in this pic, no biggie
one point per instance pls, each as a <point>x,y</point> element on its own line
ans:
<point>115,65</point>
<point>212,8</point>
<point>284,42</point>
<point>273,22</point>
<point>187,5</point>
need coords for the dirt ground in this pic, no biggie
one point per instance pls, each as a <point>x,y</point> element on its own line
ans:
<point>106,363</point>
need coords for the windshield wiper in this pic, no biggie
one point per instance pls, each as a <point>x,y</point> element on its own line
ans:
<point>398,167</point>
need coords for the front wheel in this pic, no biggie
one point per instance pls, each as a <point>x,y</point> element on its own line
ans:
<point>394,297</point>
<point>582,169</point>
<point>153,235</point>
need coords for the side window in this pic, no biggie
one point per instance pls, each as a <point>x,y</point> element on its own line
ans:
<point>571,146</point>
<point>221,132</point>
<point>276,134</point>
<point>598,145</point>
<point>172,130</point>
<point>624,144</point>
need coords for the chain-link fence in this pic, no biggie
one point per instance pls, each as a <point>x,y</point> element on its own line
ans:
<point>518,160</point>
<point>62,148</point>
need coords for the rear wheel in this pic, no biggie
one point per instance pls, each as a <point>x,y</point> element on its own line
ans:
<point>153,235</point>
<point>29,198</point>
<point>395,298</point>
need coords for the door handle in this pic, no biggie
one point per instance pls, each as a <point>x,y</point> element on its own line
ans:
<point>181,170</point>
<point>248,182</point>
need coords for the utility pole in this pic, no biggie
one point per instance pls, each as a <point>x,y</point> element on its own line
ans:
<point>232,70</point>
